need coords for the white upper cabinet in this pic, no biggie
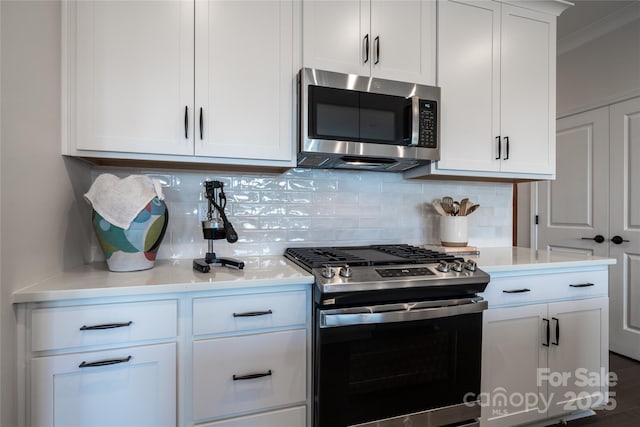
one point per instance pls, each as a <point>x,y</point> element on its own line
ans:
<point>133,75</point>
<point>188,81</point>
<point>244,79</point>
<point>386,39</point>
<point>496,68</point>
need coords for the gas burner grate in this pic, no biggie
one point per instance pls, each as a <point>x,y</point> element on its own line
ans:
<point>415,253</point>
<point>317,257</point>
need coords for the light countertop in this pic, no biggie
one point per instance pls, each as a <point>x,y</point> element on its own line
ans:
<point>171,276</point>
<point>514,259</point>
<point>167,276</point>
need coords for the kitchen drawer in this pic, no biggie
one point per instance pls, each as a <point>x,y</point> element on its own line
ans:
<point>291,417</point>
<point>101,324</point>
<point>546,287</point>
<point>280,357</point>
<point>237,313</point>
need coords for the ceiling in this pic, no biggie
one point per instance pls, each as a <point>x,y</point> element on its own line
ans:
<point>588,12</point>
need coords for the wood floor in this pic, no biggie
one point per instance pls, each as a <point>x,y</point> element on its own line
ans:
<point>627,397</point>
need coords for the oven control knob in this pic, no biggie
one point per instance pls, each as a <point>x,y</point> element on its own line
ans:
<point>346,271</point>
<point>457,266</point>
<point>470,265</point>
<point>443,267</point>
<point>327,272</point>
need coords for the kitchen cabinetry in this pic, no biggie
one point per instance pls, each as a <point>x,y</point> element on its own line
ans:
<point>496,68</point>
<point>104,364</point>
<point>386,39</point>
<point>592,209</point>
<point>200,82</point>
<point>258,344</point>
<point>545,338</point>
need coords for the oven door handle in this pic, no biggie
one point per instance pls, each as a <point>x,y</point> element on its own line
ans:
<point>334,318</point>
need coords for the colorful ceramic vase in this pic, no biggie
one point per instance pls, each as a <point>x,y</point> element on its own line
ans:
<point>135,248</point>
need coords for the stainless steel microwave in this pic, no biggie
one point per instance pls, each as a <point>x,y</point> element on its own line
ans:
<point>355,122</point>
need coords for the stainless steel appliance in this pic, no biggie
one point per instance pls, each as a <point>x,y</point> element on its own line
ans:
<point>355,122</point>
<point>397,336</point>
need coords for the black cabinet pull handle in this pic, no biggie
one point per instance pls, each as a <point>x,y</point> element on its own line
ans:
<point>186,122</point>
<point>557,331</point>
<point>506,140</point>
<point>201,123</point>
<point>617,240</point>
<point>516,291</point>
<point>548,333</point>
<point>598,238</point>
<point>251,376</point>
<point>106,326</point>
<point>377,41</point>
<point>499,147</point>
<point>582,285</point>
<point>366,48</point>
<point>103,362</point>
<point>252,313</point>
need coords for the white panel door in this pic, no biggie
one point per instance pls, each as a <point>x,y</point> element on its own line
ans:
<point>134,76</point>
<point>336,36</point>
<point>527,91</point>
<point>245,79</point>
<point>125,387</point>
<point>469,75</point>
<point>512,353</point>
<point>403,40</point>
<point>578,350</point>
<point>575,207</point>
<point>624,281</point>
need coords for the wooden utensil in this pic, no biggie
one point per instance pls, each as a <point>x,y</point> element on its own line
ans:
<point>438,207</point>
<point>447,204</point>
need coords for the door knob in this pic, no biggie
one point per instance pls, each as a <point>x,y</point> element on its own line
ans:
<point>598,238</point>
<point>617,240</point>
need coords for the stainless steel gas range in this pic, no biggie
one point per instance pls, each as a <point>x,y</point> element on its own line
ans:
<point>397,336</point>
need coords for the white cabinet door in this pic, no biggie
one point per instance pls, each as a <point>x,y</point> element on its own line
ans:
<point>291,417</point>
<point>389,39</point>
<point>403,35</point>
<point>336,35</point>
<point>579,352</point>
<point>126,387</point>
<point>245,79</point>
<point>469,75</point>
<point>131,89</point>
<point>512,353</point>
<point>527,88</point>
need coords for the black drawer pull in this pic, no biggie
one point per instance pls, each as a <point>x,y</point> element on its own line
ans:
<point>252,313</point>
<point>582,285</point>
<point>548,333</point>
<point>106,326</point>
<point>104,362</point>
<point>557,331</point>
<point>516,291</point>
<point>251,376</point>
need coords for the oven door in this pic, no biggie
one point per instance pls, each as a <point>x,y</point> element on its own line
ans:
<point>382,362</point>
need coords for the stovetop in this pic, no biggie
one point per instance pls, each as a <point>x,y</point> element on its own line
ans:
<point>398,268</point>
<point>357,256</point>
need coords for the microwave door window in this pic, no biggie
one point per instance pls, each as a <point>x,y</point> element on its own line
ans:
<point>385,119</point>
<point>333,114</point>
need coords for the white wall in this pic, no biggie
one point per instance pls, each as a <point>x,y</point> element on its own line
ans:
<point>600,72</point>
<point>39,212</point>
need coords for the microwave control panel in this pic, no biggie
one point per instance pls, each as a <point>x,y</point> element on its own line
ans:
<point>428,124</point>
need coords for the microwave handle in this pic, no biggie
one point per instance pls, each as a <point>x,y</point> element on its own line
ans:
<point>415,121</point>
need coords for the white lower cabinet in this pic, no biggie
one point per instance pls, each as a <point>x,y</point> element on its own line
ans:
<point>292,417</point>
<point>124,387</point>
<point>543,360</point>
<point>239,374</point>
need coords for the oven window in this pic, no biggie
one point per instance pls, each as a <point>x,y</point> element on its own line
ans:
<point>369,372</point>
<point>341,114</point>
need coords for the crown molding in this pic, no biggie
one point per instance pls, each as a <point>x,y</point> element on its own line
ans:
<point>599,28</point>
<point>552,7</point>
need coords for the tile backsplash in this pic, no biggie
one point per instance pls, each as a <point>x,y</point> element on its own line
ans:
<point>315,207</point>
